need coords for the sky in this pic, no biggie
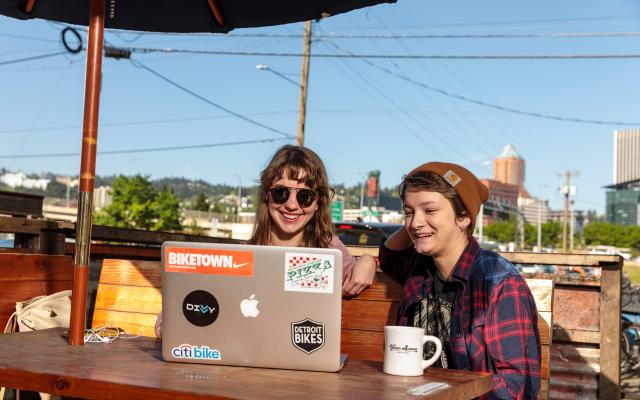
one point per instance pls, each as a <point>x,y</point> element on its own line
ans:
<point>386,113</point>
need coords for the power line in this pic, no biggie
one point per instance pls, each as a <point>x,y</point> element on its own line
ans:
<point>145,50</point>
<point>211,103</point>
<point>19,60</point>
<point>145,150</point>
<point>148,122</point>
<point>35,39</point>
<point>559,35</point>
<point>496,106</point>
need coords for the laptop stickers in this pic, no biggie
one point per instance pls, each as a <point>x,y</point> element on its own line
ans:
<point>309,273</point>
<point>209,261</point>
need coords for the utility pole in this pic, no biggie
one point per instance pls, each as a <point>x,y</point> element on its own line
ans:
<point>566,190</point>
<point>304,82</point>
<point>539,225</point>
<point>479,222</point>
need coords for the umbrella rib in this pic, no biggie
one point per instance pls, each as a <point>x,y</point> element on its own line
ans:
<point>217,13</point>
<point>29,6</point>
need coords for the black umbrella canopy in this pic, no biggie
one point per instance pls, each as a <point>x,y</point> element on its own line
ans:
<point>216,16</point>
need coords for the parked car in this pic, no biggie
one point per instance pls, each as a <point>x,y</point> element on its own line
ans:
<point>354,233</point>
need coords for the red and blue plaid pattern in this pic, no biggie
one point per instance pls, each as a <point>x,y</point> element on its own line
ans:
<point>494,324</point>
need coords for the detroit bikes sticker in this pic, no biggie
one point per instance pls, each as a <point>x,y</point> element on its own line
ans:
<point>312,273</point>
<point>307,335</point>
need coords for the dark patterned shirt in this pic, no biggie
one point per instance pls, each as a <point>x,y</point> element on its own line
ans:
<point>494,322</point>
<point>433,313</point>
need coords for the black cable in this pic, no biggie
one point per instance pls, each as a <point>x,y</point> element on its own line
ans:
<point>445,36</point>
<point>63,37</point>
<point>146,50</point>
<point>19,60</point>
<point>147,150</point>
<point>490,105</point>
<point>137,64</point>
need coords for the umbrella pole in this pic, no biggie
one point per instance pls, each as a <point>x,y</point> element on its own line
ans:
<point>87,172</point>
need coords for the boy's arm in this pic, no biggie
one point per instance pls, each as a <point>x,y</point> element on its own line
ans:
<point>396,255</point>
<point>513,341</point>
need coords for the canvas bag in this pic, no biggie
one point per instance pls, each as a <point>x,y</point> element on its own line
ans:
<point>41,312</point>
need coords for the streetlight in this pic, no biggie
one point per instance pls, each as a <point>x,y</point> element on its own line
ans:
<point>361,191</point>
<point>265,67</point>
<point>540,221</point>
<point>239,197</point>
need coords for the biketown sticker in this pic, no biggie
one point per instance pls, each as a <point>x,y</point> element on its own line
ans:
<point>305,272</point>
<point>307,335</point>
<point>208,261</point>
<point>200,308</point>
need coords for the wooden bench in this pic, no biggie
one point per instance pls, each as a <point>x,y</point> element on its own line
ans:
<point>129,296</point>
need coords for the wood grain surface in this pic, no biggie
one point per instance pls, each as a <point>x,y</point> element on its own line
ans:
<point>134,369</point>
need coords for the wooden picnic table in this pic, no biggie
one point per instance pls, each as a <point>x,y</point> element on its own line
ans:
<point>134,369</point>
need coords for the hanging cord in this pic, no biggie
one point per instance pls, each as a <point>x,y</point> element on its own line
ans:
<point>105,334</point>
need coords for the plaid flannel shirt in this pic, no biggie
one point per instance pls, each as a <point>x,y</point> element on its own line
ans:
<point>494,323</point>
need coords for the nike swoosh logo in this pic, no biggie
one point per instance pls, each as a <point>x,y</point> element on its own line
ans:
<point>239,265</point>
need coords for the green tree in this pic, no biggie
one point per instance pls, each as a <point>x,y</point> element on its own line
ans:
<point>502,232</point>
<point>136,204</point>
<point>201,203</point>
<point>166,207</point>
<point>505,232</point>
<point>597,233</point>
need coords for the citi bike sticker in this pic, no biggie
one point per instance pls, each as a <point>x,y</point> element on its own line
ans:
<point>309,273</point>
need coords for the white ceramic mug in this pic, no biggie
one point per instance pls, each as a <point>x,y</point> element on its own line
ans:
<point>403,350</point>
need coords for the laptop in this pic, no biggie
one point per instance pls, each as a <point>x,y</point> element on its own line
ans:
<point>253,306</point>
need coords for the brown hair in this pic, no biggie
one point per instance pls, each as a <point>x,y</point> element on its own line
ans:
<point>294,161</point>
<point>431,182</point>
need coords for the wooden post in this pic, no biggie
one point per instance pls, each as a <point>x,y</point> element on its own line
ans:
<point>304,82</point>
<point>87,172</point>
<point>610,331</point>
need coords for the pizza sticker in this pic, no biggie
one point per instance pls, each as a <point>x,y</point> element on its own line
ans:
<point>311,273</point>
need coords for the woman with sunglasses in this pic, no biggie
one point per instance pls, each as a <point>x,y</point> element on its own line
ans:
<point>294,210</point>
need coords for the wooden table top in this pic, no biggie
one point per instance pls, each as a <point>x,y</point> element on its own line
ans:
<point>134,369</point>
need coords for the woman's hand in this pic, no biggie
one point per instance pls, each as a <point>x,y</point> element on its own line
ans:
<point>361,276</point>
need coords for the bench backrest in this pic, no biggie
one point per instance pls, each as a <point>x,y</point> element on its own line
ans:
<point>23,276</point>
<point>129,296</point>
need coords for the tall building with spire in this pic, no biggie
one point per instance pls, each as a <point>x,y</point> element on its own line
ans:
<point>509,167</point>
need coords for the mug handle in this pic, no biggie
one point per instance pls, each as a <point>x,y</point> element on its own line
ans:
<point>438,343</point>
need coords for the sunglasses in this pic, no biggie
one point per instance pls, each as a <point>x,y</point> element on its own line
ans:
<point>304,197</point>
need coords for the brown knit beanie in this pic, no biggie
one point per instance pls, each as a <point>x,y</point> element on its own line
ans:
<point>472,192</point>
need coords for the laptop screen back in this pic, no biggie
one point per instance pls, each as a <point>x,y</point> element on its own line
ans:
<point>257,306</point>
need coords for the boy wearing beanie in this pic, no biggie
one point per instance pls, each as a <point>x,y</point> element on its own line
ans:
<point>474,300</point>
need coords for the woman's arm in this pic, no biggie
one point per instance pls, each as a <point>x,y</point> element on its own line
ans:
<point>159,325</point>
<point>357,274</point>
<point>361,276</point>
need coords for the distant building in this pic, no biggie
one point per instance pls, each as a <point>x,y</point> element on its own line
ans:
<point>509,168</point>
<point>626,155</point>
<point>502,203</point>
<point>579,218</point>
<point>623,203</point>
<point>534,209</point>
<point>500,192</point>
<point>102,197</point>
<point>19,179</point>
<point>623,196</point>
